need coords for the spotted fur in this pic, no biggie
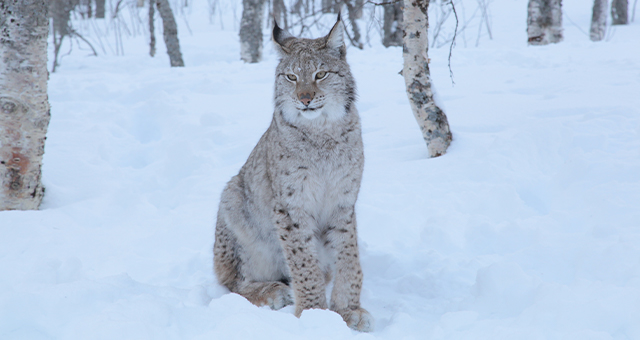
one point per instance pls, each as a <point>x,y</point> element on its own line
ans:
<point>286,223</point>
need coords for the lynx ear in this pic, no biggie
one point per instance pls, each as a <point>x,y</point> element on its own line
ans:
<point>335,38</point>
<point>279,37</point>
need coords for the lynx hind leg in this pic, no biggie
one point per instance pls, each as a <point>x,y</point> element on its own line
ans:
<point>229,268</point>
<point>274,294</point>
<point>226,259</point>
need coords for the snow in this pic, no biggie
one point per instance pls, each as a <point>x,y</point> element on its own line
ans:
<point>528,228</point>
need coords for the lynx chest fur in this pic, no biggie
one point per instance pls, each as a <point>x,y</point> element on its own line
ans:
<point>286,223</point>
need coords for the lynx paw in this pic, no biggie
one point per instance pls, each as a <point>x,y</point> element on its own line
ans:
<point>280,298</point>
<point>358,319</point>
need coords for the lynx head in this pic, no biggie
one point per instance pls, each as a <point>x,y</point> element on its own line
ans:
<point>313,80</point>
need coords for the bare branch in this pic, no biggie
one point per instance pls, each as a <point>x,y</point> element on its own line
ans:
<point>382,3</point>
<point>453,41</point>
<point>79,36</point>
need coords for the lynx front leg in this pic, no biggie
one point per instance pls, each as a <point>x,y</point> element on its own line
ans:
<point>307,279</point>
<point>345,297</point>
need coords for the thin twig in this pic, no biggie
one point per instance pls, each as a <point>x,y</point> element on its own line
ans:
<point>382,3</point>
<point>574,24</point>
<point>485,15</point>
<point>78,35</point>
<point>453,41</point>
<point>115,12</point>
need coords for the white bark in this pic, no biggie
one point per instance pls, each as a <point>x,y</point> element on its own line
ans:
<point>544,22</point>
<point>24,107</point>
<point>431,119</point>
<point>251,30</point>
<point>599,20</point>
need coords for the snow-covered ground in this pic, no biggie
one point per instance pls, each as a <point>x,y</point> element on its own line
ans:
<point>528,228</point>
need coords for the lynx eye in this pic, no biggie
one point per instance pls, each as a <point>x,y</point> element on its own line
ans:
<point>321,75</point>
<point>292,77</point>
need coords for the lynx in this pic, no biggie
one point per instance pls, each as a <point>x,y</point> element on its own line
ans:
<point>286,223</point>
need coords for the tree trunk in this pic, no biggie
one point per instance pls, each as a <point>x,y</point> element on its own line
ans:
<point>352,15</point>
<point>599,20</point>
<point>170,33</point>
<point>619,12</point>
<point>60,11</point>
<point>24,107</point>
<point>85,8</point>
<point>392,24</point>
<point>100,9</point>
<point>544,22</point>
<point>152,30</point>
<point>358,5</point>
<point>251,30</point>
<point>431,119</point>
<point>280,13</point>
<point>329,6</point>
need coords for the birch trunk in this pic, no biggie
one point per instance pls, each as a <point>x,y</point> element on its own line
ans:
<point>60,12</point>
<point>352,15</point>
<point>544,22</point>
<point>331,6</point>
<point>152,30</point>
<point>24,107</point>
<point>599,20</point>
<point>280,13</point>
<point>100,9</point>
<point>251,30</point>
<point>358,5</point>
<point>170,33</point>
<point>620,12</point>
<point>85,9</point>
<point>431,119</point>
<point>392,24</point>
<point>327,6</point>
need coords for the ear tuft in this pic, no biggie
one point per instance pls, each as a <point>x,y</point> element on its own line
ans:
<point>335,38</point>
<point>279,37</point>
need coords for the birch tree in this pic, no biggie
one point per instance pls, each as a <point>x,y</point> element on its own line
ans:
<point>152,30</point>
<point>431,119</point>
<point>599,20</point>
<point>352,15</point>
<point>544,22</point>
<point>60,12</point>
<point>279,11</point>
<point>170,33</point>
<point>100,9</point>
<point>24,107</point>
<point>251,30</point>
<point>392,24</point>
<point>619,12</point>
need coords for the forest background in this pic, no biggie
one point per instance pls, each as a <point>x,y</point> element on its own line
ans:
<point>527,228</point>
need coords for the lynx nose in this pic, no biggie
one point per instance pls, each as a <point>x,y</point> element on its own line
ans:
<point>306,98</point>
